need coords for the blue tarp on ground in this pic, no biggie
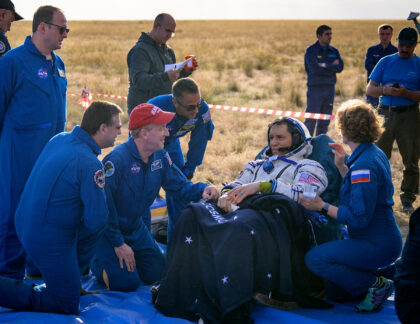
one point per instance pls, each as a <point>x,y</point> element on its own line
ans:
<point>136,307</point>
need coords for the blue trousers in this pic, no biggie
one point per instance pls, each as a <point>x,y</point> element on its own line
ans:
<point>175,205</point>
<point>149,257</point>
<point>319,99</point>
<point>12,254</point>
<point>60,265</point>
<point>350,264</point>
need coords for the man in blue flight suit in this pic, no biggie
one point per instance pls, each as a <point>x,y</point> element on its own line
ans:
<point>33,88</point>
<point>60,227</point>
<point>135,171</point>
<point>376,52</point>
<point>395,80</point>
<point>322,63</point>
<point>7,16</point>
<point>192,114</point>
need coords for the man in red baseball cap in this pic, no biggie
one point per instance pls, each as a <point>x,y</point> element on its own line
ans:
<point>7,16</point>
<point>135,171</point>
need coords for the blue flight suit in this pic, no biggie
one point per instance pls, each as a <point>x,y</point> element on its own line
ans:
<point>60,217</point>
<point>373,55</point>
<point>132,186</point>
<point>4,43</point>
<point>366,208</point>
<point>32,111</point>
<point>321,83</point>
<point>201,128</point>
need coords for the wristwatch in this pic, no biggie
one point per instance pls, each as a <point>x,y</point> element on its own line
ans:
<point>324,209</point>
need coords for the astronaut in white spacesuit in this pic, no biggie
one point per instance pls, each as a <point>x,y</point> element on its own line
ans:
<point>283,168</point>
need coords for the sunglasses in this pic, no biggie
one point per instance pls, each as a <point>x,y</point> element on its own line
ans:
<point>61,29</point>
<point>191,107</point>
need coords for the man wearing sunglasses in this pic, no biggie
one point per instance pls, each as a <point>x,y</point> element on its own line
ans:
<point>33,89</point>
<point>7,16</point>
<point>192,115</point>
<point>146,63</point>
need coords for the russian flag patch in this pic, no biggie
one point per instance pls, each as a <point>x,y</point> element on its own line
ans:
<point>360,176</point>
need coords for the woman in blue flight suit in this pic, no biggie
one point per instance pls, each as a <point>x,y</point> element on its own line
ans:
<point>365,207</point>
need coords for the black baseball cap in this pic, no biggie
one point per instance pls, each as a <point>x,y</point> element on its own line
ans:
<point>7,4</point>
<point>407,36</point>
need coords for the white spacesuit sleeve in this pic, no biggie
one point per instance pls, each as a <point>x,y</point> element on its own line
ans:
<point>247,175</point>
<point>308,176</point>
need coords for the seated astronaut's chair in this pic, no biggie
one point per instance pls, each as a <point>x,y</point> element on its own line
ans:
<point>322,153</point>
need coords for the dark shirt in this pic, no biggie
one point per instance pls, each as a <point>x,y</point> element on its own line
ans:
<point>318,75</point>
<point>146,71</point>
<point>375,53</point>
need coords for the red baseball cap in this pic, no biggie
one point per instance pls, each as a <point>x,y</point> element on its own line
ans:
<point>145,114</point>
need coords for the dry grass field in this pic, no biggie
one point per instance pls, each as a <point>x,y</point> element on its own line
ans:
<point>243,63</point>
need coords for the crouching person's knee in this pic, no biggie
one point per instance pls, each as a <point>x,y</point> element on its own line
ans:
<point>127,281</point>
<point>314,261</point>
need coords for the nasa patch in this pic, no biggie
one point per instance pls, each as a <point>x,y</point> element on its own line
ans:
<point>99,178</point>
<point>61,73</point>
<point>135,168</point>
<point>42,74</point>
<point>156,165</point>
<point>2,47</point>
<point>109,168</point>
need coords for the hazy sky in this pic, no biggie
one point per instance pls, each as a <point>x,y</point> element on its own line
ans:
<point>225,9</point>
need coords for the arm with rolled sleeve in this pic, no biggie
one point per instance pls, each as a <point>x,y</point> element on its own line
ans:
<point>112,231</point>
<point>197,145</point>
<point>95,212</point>
<point>139,65</point>
<point>362,203</point>
<point>308,172</point>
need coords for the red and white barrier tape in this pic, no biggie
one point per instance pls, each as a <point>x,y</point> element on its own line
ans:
<point>274,112</point>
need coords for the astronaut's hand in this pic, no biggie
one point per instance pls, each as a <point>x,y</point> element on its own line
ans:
<point>224,203</point>
<point>238,194</point>
<point>125,254</point>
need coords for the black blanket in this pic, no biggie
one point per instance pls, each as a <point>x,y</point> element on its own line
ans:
<point>217,261</point>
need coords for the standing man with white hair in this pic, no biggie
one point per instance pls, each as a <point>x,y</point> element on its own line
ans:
<point>33,89</point>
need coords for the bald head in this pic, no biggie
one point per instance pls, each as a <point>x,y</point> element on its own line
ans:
<point>163,28</point>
